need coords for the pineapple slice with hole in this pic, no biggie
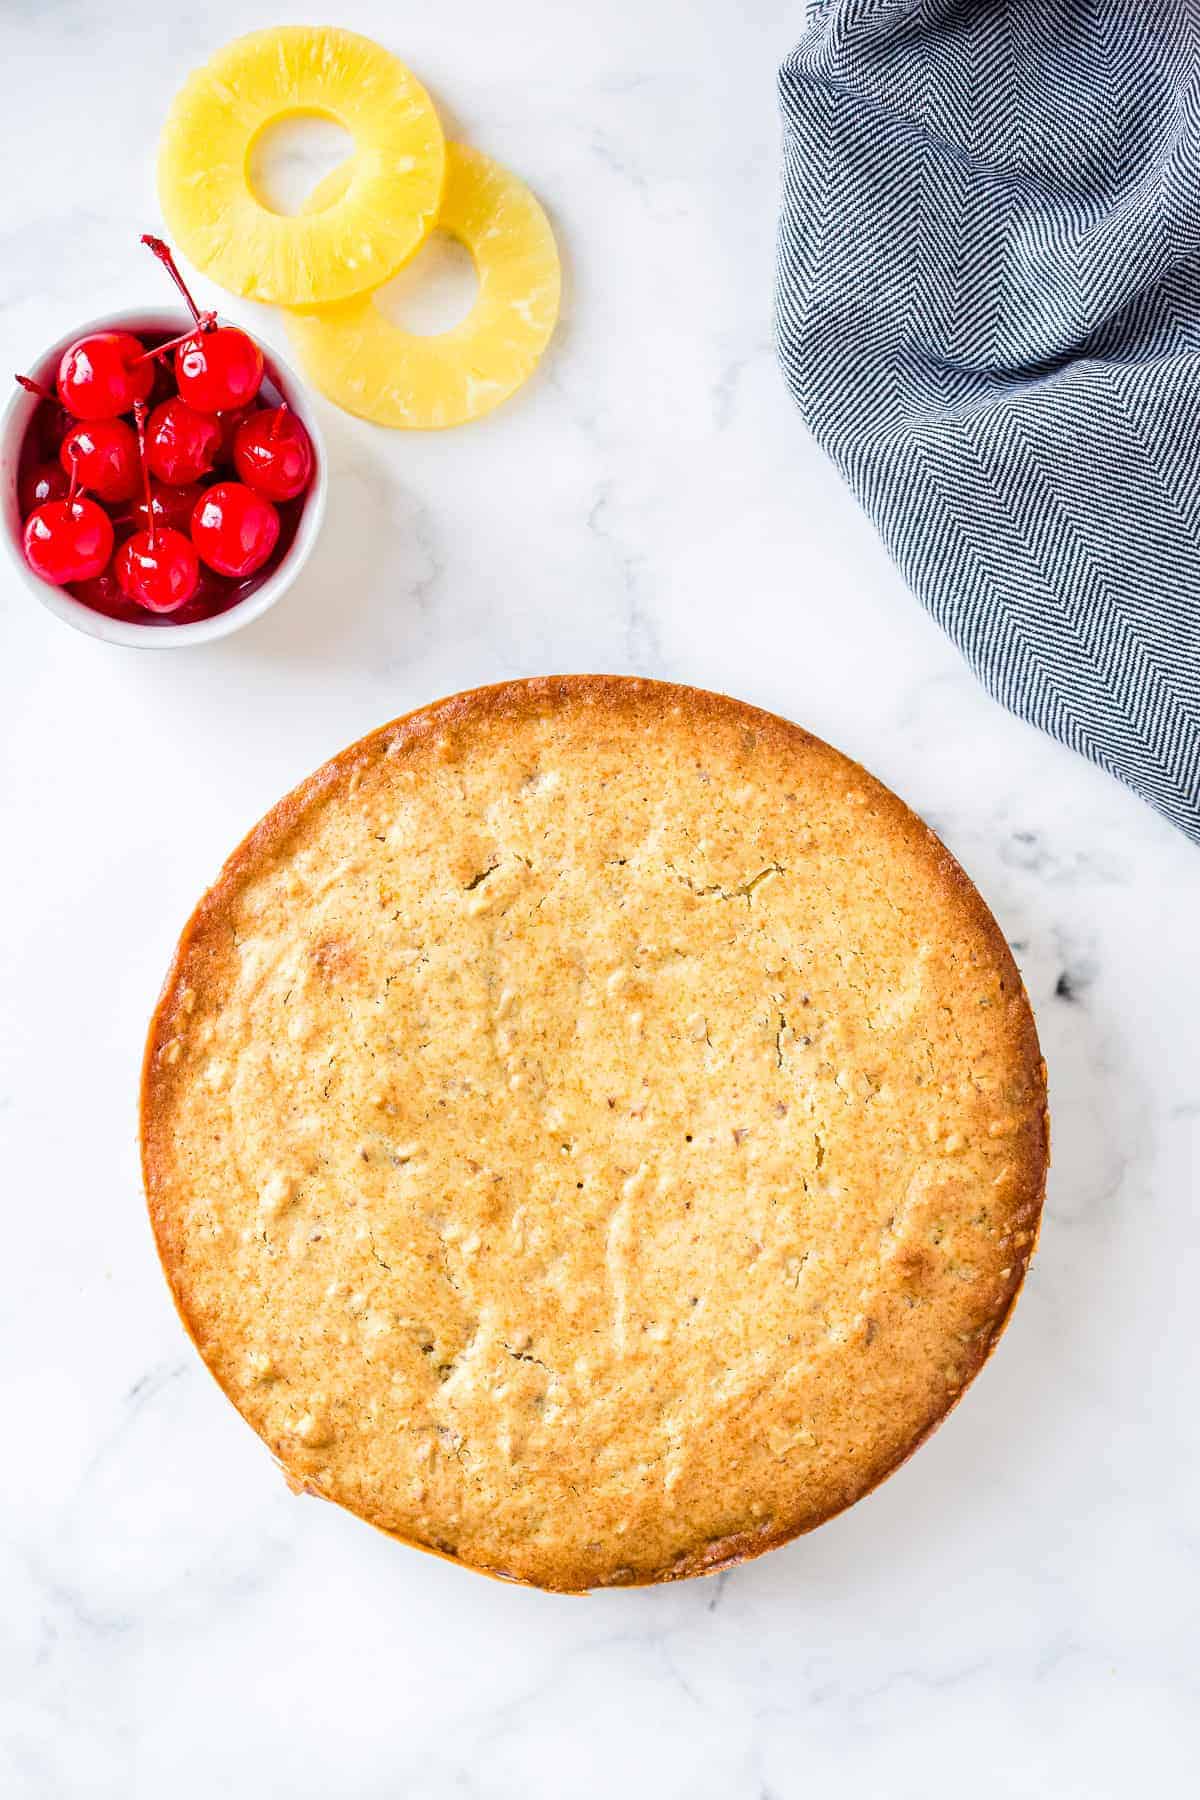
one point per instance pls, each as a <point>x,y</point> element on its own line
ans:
<point>389,203</point>
<point>371,367</point>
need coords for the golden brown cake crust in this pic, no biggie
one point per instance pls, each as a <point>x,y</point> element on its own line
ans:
<point>593,1130</point>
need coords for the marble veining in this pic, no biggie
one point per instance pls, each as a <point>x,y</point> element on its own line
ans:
<point>1015,1612</point>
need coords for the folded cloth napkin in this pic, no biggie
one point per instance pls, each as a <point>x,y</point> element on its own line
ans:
<point>989,313</point>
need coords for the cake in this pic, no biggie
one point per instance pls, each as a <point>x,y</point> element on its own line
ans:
<point>593,1130</point>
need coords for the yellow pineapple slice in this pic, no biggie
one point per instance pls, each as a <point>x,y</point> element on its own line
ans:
<point>373,368</point>
<point>396,175</point>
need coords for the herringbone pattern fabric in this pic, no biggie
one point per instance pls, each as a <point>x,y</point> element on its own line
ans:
<point>989,313</point>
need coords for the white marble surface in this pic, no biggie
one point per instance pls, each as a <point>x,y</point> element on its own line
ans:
<point>1014,1613</point>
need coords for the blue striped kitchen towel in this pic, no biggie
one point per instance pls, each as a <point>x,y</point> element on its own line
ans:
<point>989,312</point>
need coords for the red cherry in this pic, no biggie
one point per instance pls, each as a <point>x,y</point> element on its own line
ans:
<point>103,454</point>
<point>68,540</point>
<point>273,453</point>
<point>217,367</point>
<point>168,505</point>
<point>101,376</point>
<point>181,443</point>
<point>41,482</point>
<point>234,529</point>
<point>218,370</point>
<point>158,569</point>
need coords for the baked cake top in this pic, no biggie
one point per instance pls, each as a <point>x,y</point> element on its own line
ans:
<point>592,1129</point>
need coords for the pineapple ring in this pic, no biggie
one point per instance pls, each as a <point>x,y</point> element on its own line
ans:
<point>454,376</point>
<point>389,204</point>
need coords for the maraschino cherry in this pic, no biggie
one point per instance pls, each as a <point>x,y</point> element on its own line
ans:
<point>101,376</point>
<point>181,443</point>
<point>156,568</point>
<point>217,367</point>
<point>104,455</point>
<point>234,529</point>
<point>273,453</point>
<point>68,540</point>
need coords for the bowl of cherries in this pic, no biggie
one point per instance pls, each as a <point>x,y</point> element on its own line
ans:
<point>162,477</point>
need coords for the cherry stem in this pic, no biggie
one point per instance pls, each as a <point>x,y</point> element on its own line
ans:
<point>164,256</point>
<point>277,421</point>
<point>206,321</point>
<point>139,419</point>
<point>74,485</point>
<point>35,387</point>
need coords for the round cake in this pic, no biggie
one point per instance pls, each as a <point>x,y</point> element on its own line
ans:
<point>593,1130</point>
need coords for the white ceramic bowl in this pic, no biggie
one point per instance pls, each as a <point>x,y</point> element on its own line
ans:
<point>13,425</point>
